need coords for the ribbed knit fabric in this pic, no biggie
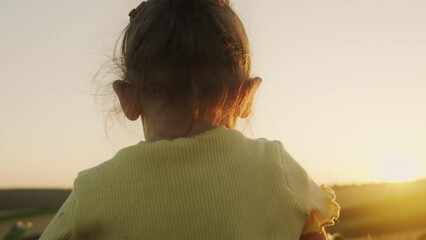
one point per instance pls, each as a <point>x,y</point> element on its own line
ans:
<point>216,185</point>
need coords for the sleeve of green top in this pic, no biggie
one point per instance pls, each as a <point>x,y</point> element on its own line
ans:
<point>60,228</point>
<point>317,202</point>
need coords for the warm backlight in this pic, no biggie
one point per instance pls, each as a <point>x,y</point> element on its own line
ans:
<point>397,169</point>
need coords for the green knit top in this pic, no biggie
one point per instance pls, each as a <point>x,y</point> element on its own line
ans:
<point>216,185</point>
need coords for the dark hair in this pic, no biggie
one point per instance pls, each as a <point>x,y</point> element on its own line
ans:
<point>192,51</point>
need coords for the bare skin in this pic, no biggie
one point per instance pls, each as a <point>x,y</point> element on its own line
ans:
<point>314,236</point>
<point>312,229</point>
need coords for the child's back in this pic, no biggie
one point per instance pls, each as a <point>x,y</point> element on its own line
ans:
<point>217,185</point>
<point>186,68</point>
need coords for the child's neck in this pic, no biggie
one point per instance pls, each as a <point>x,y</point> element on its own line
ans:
<point>169,129</point>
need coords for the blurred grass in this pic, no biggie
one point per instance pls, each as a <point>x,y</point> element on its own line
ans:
<point>11,215</point>
<point>17,231</point>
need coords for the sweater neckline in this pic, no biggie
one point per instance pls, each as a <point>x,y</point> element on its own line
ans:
<point>185,139</point>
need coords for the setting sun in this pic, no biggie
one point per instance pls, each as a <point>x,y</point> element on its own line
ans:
<point>397,169</point>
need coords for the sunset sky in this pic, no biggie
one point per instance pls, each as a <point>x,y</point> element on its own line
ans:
<point>344,87</point>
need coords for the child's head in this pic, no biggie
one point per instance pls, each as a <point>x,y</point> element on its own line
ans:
<point>189,54</point>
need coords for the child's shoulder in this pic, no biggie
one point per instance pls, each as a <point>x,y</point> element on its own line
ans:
<point>106,166</point>
<point>221,138</point>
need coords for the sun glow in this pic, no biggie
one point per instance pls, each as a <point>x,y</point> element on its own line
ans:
<point>397,169</point>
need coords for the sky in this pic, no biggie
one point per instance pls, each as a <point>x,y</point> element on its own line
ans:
<point>344,87</point>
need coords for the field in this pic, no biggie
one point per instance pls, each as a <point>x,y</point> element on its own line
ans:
<point>374,211</point>
<point>385,211</point>
<point>29,205</point>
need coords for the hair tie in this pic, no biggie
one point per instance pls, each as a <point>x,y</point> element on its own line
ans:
<point>134,13</point>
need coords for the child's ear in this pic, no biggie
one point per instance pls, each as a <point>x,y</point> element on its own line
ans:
<point>127,97</point>
<point>248,92</point>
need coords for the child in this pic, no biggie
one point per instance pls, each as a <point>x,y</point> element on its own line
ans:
<point>186,74</point>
